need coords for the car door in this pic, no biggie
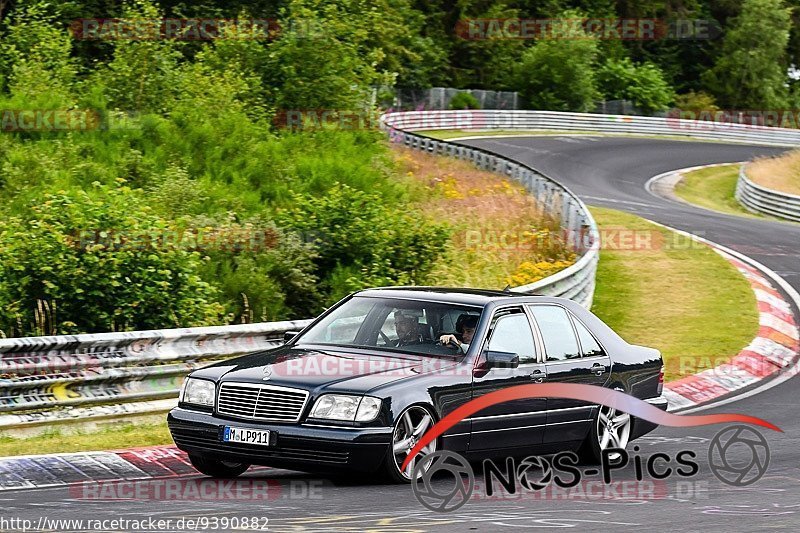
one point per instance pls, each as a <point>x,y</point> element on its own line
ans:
<point>572,355</point>
<point>519,423</point>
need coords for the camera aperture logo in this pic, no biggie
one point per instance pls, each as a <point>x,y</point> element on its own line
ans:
<point>453,497</point>
<point>739,455</point>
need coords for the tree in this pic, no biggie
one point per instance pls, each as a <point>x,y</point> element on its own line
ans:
<point>558,74</point>
<point>484,53</point>
<point>328,56</point>
<point>142,75</point>
<point>642,84</point>
<point>35,57</point>
<point>750,72</point>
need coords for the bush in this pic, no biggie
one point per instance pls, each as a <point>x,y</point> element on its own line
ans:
<point>464,101</point>
<point>364,240</point>
<point>98,261</point>
<point>696,103</point>
<point>643,84</point>
<point>263,272</point>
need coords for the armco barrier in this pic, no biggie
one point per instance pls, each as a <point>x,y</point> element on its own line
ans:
<point>576,282</point>
<point>488,120</point>
<point>766,201</point>
<point>81,377</point>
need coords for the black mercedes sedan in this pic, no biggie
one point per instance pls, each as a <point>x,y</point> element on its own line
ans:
<point>358,387</point>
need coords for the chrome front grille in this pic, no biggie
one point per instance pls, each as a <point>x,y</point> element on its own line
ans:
<point>261,402</point>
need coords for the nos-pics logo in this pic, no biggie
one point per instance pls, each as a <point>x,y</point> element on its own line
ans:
<point>738,456</point>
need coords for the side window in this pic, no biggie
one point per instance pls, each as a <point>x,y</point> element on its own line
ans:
<point>589,345</point>
<point>559,337</point>
<point>512,333</point>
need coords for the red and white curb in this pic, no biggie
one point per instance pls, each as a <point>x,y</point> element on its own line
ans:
<point>37,471</point>
<point>772,354</point>
<point>155,472</point>
<point>772,351</point>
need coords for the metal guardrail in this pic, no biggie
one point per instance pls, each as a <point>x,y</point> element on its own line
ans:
<point>488,120</point>
<point>575,282</point>
<point>766,201</point>
<point>80,377</point>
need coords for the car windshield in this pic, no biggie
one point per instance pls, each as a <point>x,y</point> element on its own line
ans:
<point>392,324</point>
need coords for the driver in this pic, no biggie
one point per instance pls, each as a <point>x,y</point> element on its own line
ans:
<point>465,328</point>
<point>407,328</point>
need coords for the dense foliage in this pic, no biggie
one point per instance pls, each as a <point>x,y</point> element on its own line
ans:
<point>183,202</point>
<point>184,140</point>
<point>331,53</point>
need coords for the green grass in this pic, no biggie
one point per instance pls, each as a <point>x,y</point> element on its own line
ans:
<point>681,298</point>
<point>713,188</point>
<point>122,435</point>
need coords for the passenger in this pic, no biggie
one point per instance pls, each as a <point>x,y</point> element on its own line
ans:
<point>465,328</point>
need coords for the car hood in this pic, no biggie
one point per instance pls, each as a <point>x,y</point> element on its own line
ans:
<point>310,369</point>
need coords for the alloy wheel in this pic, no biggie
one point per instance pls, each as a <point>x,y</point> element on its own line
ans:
<point>407,432</point>
<point>613,429</point>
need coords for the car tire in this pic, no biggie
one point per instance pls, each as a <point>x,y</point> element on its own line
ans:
<point>216,468</point>
<point>610,429</point>
<point>418,419</point>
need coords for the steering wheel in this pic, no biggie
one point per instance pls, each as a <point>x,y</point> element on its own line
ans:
<point>452,344</point>
<point>385,338</point>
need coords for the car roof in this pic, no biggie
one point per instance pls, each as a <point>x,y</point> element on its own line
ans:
<point>455,295</point>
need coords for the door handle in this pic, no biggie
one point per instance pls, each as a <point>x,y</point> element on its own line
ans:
<point>598,369</point>
<point>537,376</point>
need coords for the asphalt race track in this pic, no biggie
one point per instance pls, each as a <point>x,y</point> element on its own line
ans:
<point>607,171</point>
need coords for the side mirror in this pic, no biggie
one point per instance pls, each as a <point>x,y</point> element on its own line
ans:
<point>501,360</point>
<point>289,335</point>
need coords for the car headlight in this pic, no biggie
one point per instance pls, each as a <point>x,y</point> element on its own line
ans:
<point>198,392</point>
<point>346,407</point>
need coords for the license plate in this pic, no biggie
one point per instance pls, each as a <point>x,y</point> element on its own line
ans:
<point>246,436</point>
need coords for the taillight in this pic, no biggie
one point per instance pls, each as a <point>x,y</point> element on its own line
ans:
<point>661,381</point>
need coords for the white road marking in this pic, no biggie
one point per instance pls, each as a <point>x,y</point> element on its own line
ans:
<point>615,201</point>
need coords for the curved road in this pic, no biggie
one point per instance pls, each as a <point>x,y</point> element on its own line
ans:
<point>606,171</point>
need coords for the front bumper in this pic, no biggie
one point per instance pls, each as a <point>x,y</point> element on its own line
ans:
<point>643,427</point>
<point>297,446</point>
